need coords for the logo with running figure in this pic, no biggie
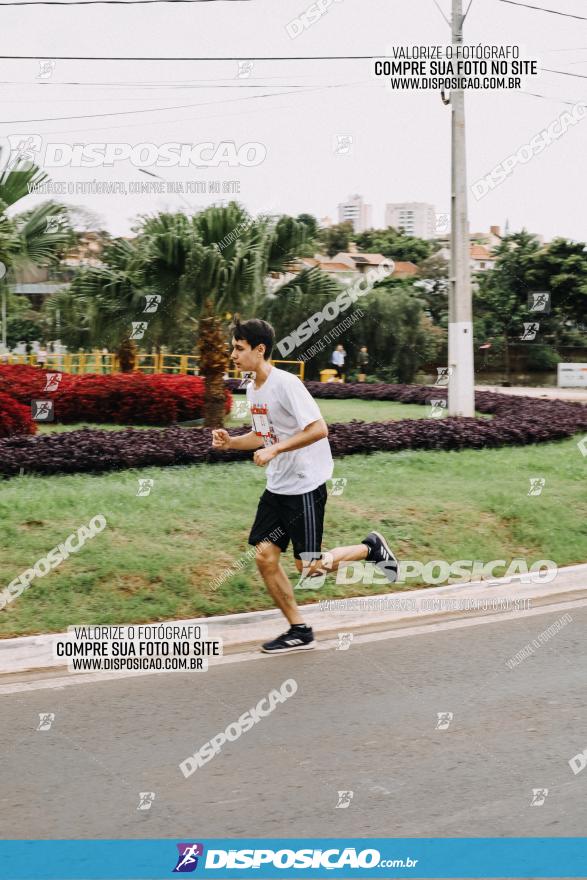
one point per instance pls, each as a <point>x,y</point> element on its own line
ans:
<point>187,860</point>
<point>539,796</point>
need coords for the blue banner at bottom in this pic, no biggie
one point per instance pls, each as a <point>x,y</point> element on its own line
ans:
<point>385,858</point>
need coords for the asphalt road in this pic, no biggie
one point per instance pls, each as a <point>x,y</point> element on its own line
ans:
<point>362,720</point>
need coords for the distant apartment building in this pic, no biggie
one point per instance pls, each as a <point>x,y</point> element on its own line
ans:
<point>357,212</point>
<point>415,218</point>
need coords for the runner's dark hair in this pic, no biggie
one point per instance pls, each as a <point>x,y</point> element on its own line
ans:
<point>255,332</point>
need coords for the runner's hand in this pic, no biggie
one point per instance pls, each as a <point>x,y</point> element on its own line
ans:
<point>264,456</point>
<point>220,439</point>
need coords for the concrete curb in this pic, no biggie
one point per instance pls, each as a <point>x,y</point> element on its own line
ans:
<point>366,614</point>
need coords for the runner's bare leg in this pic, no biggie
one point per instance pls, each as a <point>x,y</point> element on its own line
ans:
<point>277,582</point>
<point>332,559</point>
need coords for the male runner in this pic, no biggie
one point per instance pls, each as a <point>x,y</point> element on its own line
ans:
<point>289,437</point>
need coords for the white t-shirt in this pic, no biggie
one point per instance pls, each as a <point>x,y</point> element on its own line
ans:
<point>338,358</point>
<point>280,408</point>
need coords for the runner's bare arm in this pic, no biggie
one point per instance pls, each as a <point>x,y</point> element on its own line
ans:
<point>313,432</point>
<point>222,440</point>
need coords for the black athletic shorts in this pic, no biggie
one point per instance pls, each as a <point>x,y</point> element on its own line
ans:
<point>296,518</point>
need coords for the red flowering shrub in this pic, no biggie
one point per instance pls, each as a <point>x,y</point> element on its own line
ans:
<point>14,417</point>
<point>22,382</point>
<point>118,398</point>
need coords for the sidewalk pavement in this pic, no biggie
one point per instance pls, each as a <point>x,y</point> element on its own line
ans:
<point>549,393</point>
<point>401,609</point>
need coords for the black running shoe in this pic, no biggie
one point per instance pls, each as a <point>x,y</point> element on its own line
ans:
<point>293,640</point>
<point>380,553</point>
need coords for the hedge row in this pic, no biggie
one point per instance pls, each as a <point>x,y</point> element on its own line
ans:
<point>516,421</point>
<point>118,398</point>
<point>14,417</point>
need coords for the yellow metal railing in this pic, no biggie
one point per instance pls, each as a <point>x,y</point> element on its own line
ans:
<point>234,374</point>
<point>96,362</point>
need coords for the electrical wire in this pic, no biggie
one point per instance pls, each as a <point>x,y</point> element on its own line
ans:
<point>108,2</point>
<point>173,107</point>
<point>566,72</point>
<point>188,58</point>
<point>542,9</point>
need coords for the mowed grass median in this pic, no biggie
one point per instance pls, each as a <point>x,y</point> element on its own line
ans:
<point>160,555</point>
<point>332,411</point>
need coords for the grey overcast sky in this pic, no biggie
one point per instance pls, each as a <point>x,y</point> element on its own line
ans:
<point>401,140</point>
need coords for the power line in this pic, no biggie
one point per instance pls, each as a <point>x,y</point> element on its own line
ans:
<point>109,2</point>
<point>548,98</point>
<point>565,72</point>
<point>153,88</point>
<point>467,12</point>
<point>542,9</point>
<point>173,107</point>
<point>110,98</point>
<point>441,12</point>
<point>211,58</point>
<point>169,83</point>
<point>182,119</point>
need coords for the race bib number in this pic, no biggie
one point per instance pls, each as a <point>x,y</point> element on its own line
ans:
<point>262,425</point>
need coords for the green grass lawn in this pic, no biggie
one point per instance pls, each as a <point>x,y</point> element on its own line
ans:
<point>363,410</point>
<point>159,555</point>
<point>332,411</point>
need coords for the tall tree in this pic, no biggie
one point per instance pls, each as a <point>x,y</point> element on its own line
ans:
<point>32,238</point>
<point>310,223</point>
<point>204,268</point>
<point>501,295</point>
<point>395,244</point>
<point>561,269</point>
<point>104,299</point>
<point>400,337</point>
<point>433,287</point>
<point>335,239</point>
<point>213,361</point>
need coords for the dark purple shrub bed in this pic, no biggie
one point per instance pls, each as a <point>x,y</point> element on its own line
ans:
<point>516,421</point>
<point>89,450</point>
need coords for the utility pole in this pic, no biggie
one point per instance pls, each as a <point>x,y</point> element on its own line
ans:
<point>461,391</point>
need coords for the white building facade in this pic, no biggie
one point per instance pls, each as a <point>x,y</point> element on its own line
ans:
<point>415,218</point>
<point>357,212</point>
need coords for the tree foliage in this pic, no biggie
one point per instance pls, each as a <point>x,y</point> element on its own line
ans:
<point>334,239</point>
<point>394,243</point>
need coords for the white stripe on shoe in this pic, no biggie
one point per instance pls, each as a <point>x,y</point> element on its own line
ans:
<point>307,647</point>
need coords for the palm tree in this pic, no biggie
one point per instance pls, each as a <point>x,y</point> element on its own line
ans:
<point>107,295</point>
<point>229,254</point>
<point>228,273</point>
<point>164,247</point>
<point>25,239</point>
<point>204,267</point>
